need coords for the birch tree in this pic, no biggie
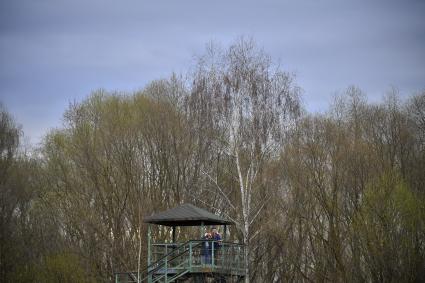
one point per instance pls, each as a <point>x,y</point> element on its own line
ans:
<point>250,102</point>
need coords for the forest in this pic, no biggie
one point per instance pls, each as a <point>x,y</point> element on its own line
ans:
<point>332,196</point>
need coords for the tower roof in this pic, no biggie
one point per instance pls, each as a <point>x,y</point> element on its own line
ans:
<point>186,215</point>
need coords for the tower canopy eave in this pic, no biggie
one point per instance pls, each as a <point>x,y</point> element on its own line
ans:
<point>186,215</point>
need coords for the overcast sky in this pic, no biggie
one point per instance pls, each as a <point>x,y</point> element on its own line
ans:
<point>55,52</point>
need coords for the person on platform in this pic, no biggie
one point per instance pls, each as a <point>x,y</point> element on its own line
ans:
<point>205,250</point>
<point>216,238</point>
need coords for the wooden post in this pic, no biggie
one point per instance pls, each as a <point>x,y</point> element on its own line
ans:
<point>212,252</point>
<point>190,256</point>
<point>223,246</point>
<point>149,253</point>
<point>201,236</point>
<point>174,234</point>
<point>149,245</point>
<point>166,264</point>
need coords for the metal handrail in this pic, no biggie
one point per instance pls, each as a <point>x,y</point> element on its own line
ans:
<point>181,249</point>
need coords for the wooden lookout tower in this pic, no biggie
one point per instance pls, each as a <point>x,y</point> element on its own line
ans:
<point>196,260</point>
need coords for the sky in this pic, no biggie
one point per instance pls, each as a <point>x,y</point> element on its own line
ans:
<point>55,52</point>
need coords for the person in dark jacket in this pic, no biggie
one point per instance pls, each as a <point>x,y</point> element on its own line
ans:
<point>216,237</point>
<point>205,250</point>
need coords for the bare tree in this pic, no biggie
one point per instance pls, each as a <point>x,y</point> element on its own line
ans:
<point>250,102</point>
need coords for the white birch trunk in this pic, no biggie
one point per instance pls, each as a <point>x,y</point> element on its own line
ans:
<point>245,195</point>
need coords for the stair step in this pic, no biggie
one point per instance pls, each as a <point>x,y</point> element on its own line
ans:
<point>178,275</point>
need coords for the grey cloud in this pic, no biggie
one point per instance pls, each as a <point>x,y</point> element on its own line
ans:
<point>53,51</point>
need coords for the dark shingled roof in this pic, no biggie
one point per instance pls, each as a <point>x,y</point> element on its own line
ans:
<point>186,215</point>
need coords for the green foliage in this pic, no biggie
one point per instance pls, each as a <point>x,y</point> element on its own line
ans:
<point>390,224</point>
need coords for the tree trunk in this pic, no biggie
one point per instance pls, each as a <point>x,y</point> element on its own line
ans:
<point>245,214</point>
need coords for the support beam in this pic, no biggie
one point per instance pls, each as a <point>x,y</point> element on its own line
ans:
<point>174,234</point>
<point>149,245</point>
